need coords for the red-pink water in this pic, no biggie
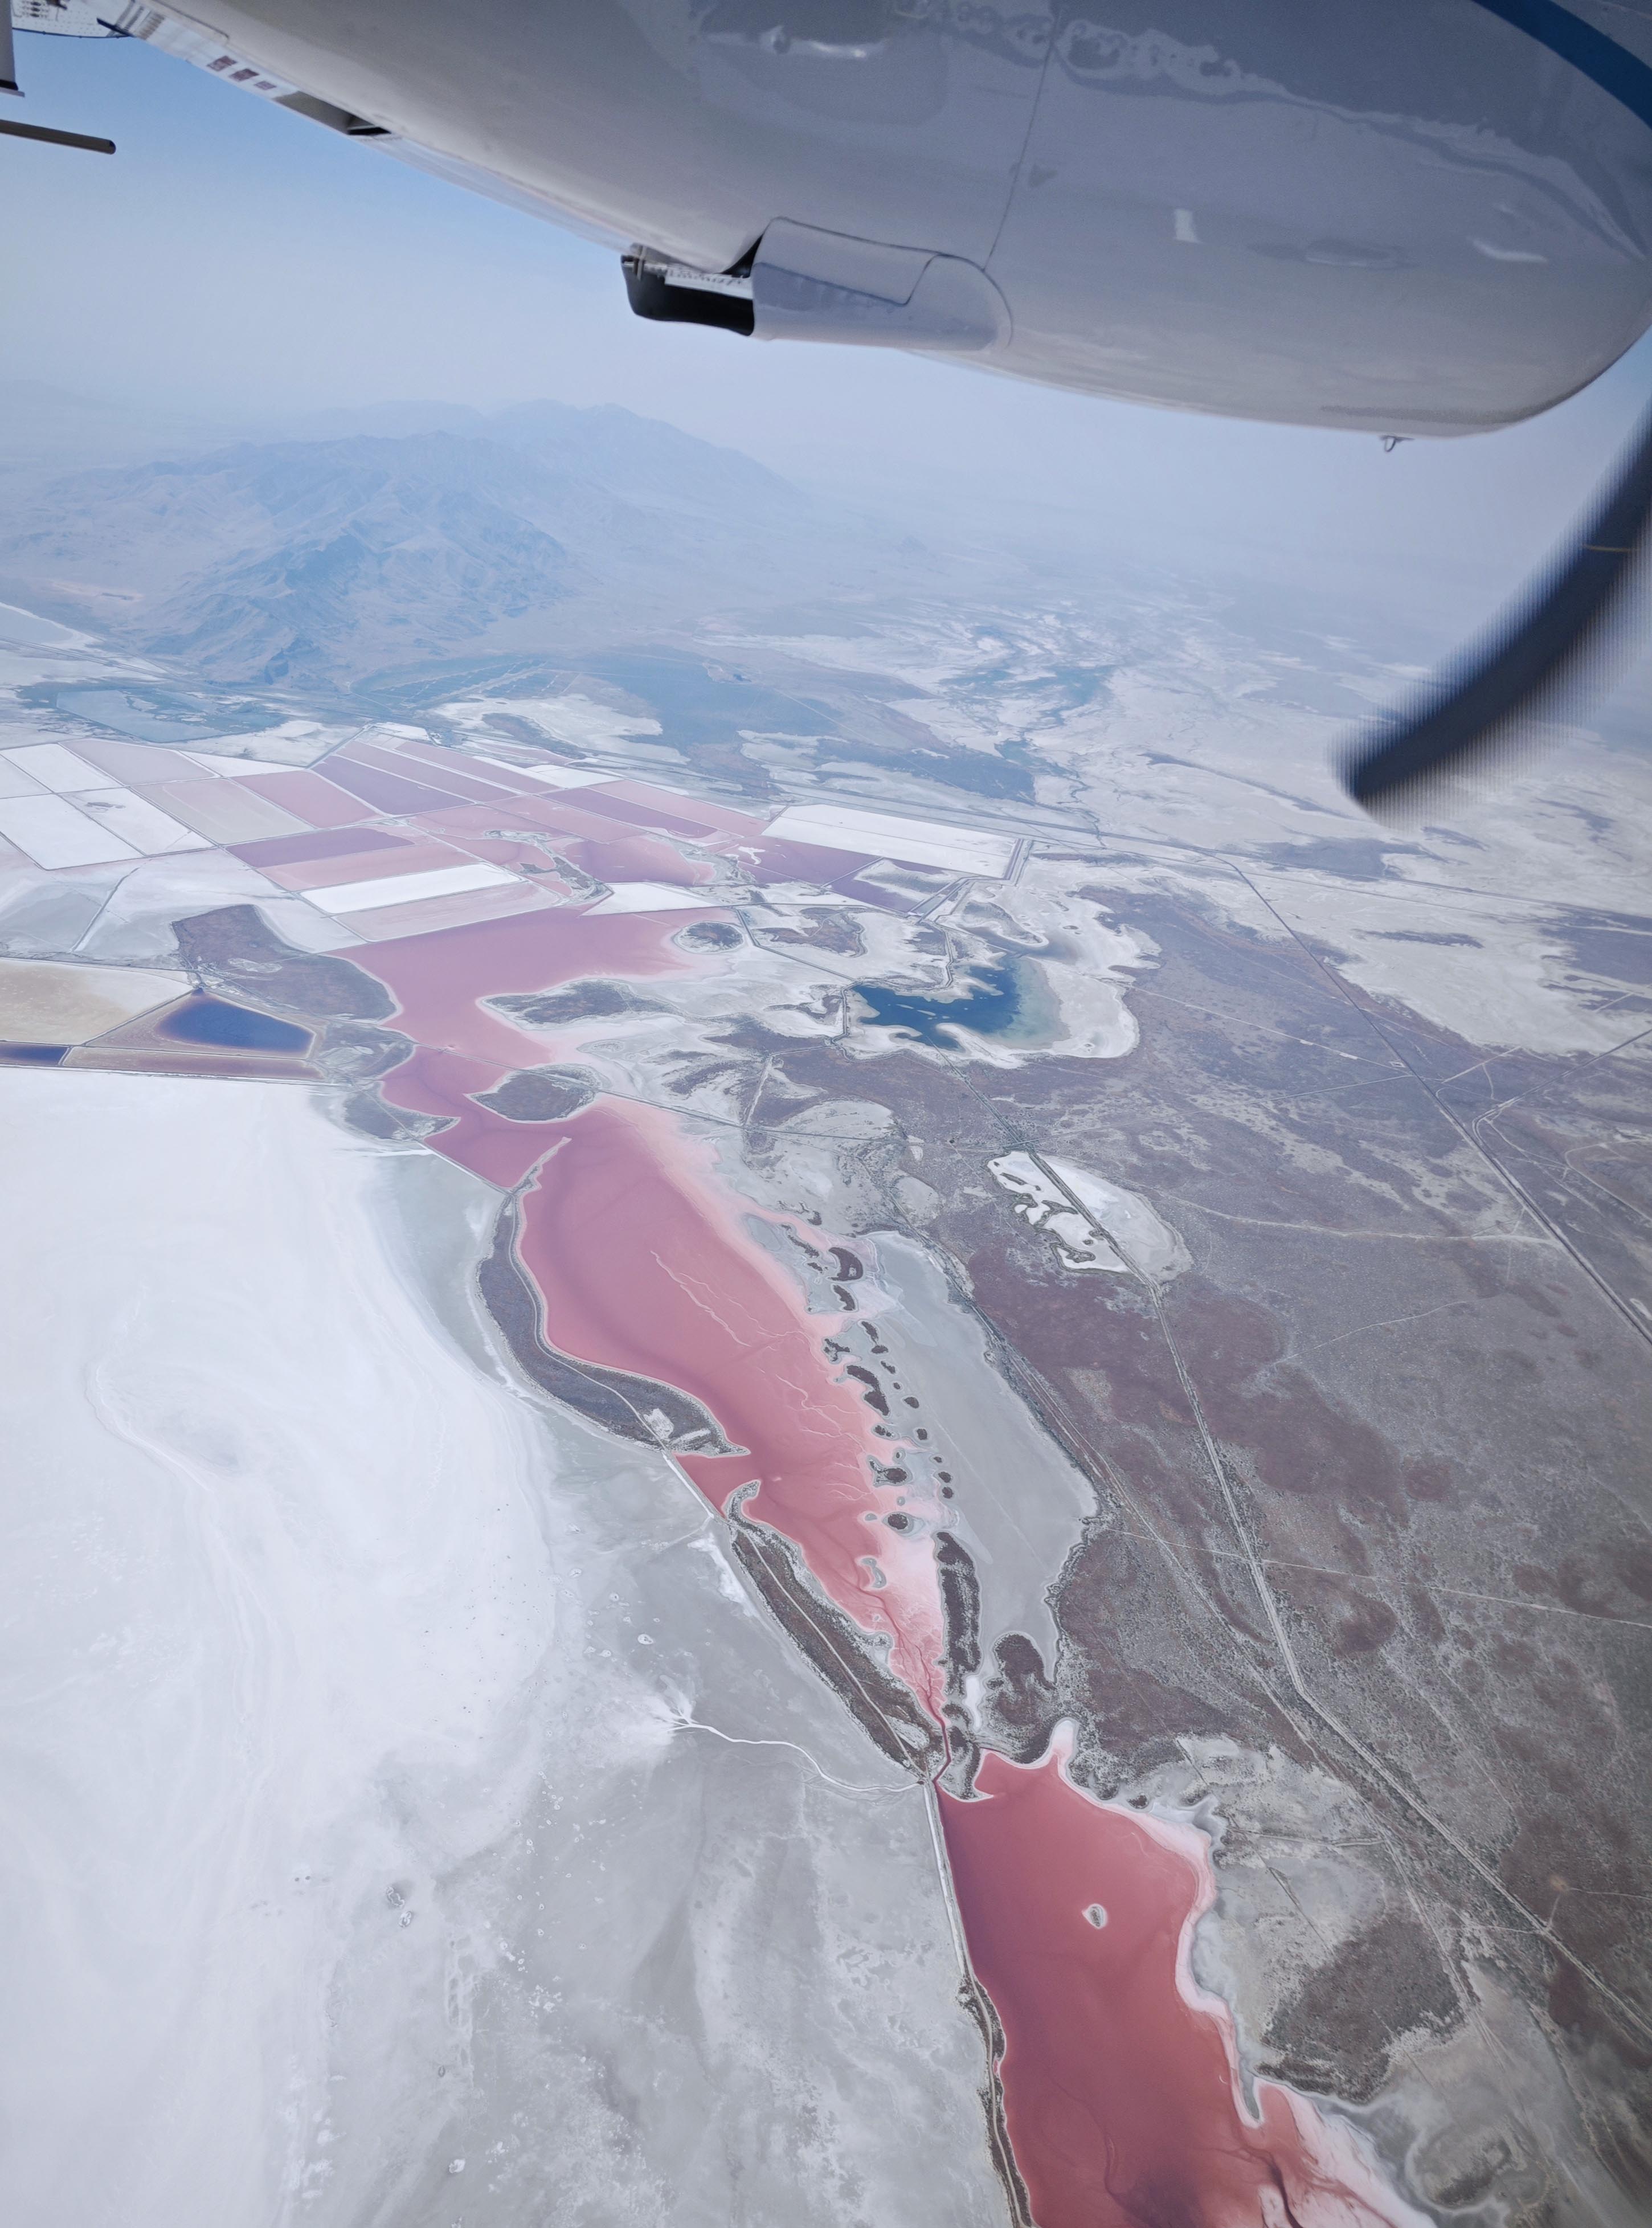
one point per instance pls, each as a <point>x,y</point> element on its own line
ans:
<point>1119,2077</point>
<point>643,1266</point>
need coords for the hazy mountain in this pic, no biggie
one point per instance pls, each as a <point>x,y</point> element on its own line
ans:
<point>629,454</point>
<point>327,559</point>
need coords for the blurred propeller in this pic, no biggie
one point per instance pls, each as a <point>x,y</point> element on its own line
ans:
<point>1547,657</point>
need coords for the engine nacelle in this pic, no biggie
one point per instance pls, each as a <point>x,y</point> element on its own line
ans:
<point>1407,216</point>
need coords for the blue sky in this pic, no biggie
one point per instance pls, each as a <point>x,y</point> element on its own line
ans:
<point>240,263</point>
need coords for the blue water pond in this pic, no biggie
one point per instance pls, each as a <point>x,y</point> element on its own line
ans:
<point>215,1021</point>
<point>989,1002</point>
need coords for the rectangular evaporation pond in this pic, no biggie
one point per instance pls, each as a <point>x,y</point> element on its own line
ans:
<point>135,766</point>
<point>54,834</point>
<point>465,766</point>
<point>345,898</point>
<point>54,767</point>
<point>431,915</point>
<point>547,777</point>
<point>727,819</point>
<point>309,797</point>
<point>453,784</point>
<point>323,843</point>
<point>920,843</point>
<point>227,767</point>
<point>51,1002</point>
<point>419,854</point>
<point>14,782</point>
<point>223,811</point>
<point>567,817</point>
<point>642,815</point>
<point>385,792</point>
<point>138,823</point>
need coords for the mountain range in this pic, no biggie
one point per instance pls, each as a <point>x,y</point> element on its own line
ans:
<point>351,553</point>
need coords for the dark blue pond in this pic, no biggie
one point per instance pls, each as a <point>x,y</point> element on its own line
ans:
<point>214,1022</point>
<point>988,1004</point>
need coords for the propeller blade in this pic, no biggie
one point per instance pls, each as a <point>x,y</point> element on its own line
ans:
<point>1555,640</point>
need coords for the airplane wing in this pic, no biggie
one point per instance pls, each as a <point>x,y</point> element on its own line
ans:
<point>1418,218</point>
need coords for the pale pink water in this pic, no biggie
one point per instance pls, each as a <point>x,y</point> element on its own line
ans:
<point>481,1140</point>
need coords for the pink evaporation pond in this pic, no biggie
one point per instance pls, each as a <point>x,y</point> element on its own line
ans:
<point>1119,2075</point>
<point>642,1266</point>
<point>308,796</point>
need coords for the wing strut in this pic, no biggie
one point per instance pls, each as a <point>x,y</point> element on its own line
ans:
<point>8,84</point>
<point>55,138</point>
<point>1549,656</point>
